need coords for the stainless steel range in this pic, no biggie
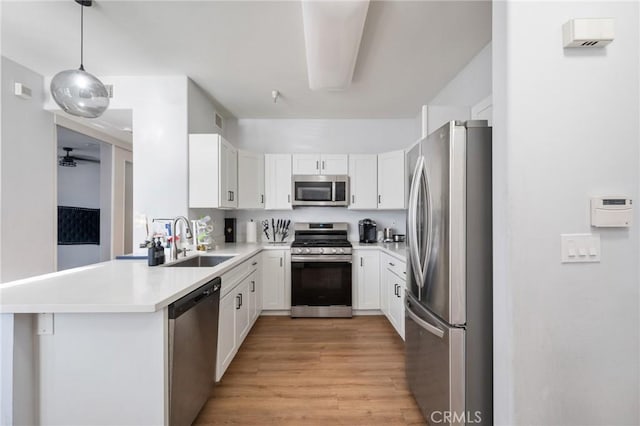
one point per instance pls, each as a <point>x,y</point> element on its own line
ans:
<point>321,271</point>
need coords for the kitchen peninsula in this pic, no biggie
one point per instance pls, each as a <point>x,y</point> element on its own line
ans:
<point>102,331</point>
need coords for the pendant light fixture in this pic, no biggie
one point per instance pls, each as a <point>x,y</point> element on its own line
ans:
<point>76,91</point>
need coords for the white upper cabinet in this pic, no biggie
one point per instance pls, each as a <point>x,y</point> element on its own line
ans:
<point>320,164</point>
<point>250,180</point>
<point>213,172</point>
<point>277,181</point>
<point>391,180</point>
<point>363,177</point>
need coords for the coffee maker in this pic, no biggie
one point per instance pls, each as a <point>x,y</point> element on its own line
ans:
<point>368,231</point>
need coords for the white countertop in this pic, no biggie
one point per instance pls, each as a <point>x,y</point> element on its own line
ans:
<point>397,250</point>
<point>130,285</point>
<point>116,286</point>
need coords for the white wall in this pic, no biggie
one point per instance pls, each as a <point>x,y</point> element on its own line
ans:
<point>356,136</point>
<point>28,184</point>
<point>566,127</point>
<point>454,101</point>
<point>28,225</point>
<point>79,187</point>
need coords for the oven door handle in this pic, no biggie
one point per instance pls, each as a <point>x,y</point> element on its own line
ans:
<point>324,258</point>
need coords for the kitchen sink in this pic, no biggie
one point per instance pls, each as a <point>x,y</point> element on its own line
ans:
<point>201,261</point>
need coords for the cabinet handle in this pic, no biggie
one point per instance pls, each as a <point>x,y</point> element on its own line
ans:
<point>239,300</point>
<point>353,199</point>
<point>253,286</point>
<point>399,290</point>
<point>360,261</point>
<point>379,199</point>
<point>288,198</point>
<point>261,198</point>
<point>395,289</point>
<point>233,195</point>
<point>391,264</point>
<point>322,164</point>
<point>281,262</point>
<point>317,164</point>
<point>254,263</point>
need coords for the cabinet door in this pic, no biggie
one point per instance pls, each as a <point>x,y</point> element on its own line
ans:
<point>228,175</point>
<point>334,164</point>
<point>385,283</point>
<point>278,181</point>
<point>363,177</point>
<point>273,280</point>
<point>243,324</point>
<point>368,280</point>
<point>250,180</point>
<point>254,296</point>
<point>396,304</point>
<point>204,173</point>
<point>227,345</point>
<point>391,180</point>
<point>306,164</point>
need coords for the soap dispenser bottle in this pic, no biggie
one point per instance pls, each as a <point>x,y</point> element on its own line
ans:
<point>159,252</point>
<point>152,257</point>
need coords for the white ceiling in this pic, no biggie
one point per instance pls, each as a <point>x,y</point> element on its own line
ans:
<point>239,51</point>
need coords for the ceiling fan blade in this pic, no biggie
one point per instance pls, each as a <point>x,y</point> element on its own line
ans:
<point>83,158</point>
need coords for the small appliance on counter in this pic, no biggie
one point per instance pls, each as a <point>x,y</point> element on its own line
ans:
<point>388,235</point>
<point>398,238</point>
<point>368,231</point>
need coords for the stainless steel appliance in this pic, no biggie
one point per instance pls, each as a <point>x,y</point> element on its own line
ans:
<point>387,235</point>
<point>368,231</point>
<point>320,190</point>
<point>193,342</point>
<point>321,270</point>
<point>448,315</point>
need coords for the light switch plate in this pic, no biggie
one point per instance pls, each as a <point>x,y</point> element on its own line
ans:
<point>580,248</point>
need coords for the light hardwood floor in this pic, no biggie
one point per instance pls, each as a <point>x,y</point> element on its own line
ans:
<point>310,372</point>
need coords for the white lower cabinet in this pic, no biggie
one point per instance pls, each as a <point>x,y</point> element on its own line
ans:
<point>239,308</point>
<point>392,290</point>
<point>366,279</point>
<point>276,280</point>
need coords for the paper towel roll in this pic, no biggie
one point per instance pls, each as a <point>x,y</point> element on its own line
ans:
<point>252,232</point>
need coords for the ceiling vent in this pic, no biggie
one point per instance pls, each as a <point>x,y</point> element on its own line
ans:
<point>592,32</point>
<point>219,121</point>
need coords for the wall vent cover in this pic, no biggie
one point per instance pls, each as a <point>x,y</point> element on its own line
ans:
<point>218,119</point>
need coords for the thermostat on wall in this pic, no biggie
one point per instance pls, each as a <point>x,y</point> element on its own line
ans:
<point>611,212</point>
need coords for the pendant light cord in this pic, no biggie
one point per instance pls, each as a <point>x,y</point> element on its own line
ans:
<point>81,37</point>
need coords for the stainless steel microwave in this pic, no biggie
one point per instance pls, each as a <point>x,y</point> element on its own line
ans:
<point>320,190</point>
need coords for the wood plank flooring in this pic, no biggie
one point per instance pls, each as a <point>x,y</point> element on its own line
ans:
<point>315,372</point>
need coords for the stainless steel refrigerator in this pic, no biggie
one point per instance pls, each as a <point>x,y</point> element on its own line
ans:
<point>448,315</point>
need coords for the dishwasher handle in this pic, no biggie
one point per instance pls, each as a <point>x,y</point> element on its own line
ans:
<point>192,299</point>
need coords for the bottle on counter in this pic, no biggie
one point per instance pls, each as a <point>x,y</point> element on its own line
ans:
<point>159,253</point>
<point>152,257</point>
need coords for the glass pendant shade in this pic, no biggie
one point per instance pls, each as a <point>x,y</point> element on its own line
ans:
<point>79,93</point>
<point>76,91</point>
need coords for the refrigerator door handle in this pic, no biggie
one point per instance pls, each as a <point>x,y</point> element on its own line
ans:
<point>412,213</point>
<point>436,331</point>
<point>429,219</point>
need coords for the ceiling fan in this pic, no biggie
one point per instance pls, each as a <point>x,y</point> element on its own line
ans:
<point>69,160</point>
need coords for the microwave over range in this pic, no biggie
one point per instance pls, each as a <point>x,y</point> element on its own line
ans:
<point>320,190</point>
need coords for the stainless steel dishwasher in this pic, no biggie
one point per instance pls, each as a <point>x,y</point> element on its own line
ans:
<point>193,343</point>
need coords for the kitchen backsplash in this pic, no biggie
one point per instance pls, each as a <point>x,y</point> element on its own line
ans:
<point>393,219</point>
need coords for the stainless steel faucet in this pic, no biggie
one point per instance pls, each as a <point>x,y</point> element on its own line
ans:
<point>174,247</point>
